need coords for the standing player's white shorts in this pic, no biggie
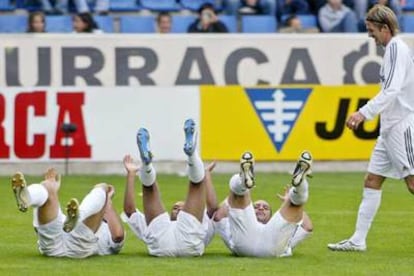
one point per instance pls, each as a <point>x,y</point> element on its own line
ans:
<point>393,155</point>
<point>166,238</point>
<point>252,238</point>
<point>81,242</point>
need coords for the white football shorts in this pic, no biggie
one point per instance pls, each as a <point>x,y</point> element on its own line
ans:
<point>393,155</point>
<point>184,237</point>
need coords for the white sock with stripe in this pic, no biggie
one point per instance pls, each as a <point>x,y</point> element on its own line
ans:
<point>195,168</point>
<point>147,175</point>
<point>299,195</point>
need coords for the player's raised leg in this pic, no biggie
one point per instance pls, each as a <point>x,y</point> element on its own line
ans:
<point>292,209</point>
<point>153,206</point>
<point>49,211</point>
<point>241,183</point>
<point>91,211</point>
<point>196,197</point>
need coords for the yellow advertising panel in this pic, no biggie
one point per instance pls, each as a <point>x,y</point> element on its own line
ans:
<point>277,123</point>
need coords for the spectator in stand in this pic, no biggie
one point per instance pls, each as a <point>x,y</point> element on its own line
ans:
<point>207,22</point>
<point>293,24</point>
<point>36,23</point>
<point>316,5</point>
<point>84,23</point>
<point>101,6</point>
<point>250,7</point>
<point>82,6</point>
<point>287,7</point>
<point>363,6</point>
<point>164,23</point>
<point>59,7</point>
<point>335,17</point>
<point>234,7</point>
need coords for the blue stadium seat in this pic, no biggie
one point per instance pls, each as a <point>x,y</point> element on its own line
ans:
<point>258,24</point>
<point>408,5</point>
<point>59,24</point>
<point>13,23</point>
<point>230,21</point>
<point>123,5</point>
<point>137,24</point>
<point>6,5</point>
<point>105,23</point>
<point>193,5</point>
<point>408,23</point>
<point>308,20</point>
<point>180,23</point>
<point>160,5</point>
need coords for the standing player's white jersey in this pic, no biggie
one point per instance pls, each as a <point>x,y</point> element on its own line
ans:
<point>395,101</point>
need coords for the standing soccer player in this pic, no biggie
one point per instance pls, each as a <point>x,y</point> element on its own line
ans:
<point>393,155</point>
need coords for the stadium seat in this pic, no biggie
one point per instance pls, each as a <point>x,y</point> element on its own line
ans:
<point>105,23</point>
<point>5,5</point>
<point>230,21</point>
<point>160,5</point>
<point>308,20</point>
<point>13,23</point>
<point>408,23</point>
<point>123,5</point>
<point>194,5</point>
<point>59,24</point>
<point>180,23</point>
<point>137,24</point>
<point>258,24</point>
<point>408,5</point>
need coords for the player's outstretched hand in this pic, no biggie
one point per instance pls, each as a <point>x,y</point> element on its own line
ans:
<point>130,165</point>
<point>210,167</point>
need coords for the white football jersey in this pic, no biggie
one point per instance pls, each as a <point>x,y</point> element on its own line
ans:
<point>395,101</point>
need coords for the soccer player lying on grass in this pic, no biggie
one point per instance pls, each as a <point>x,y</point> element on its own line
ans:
<point>263,212</point>
<point>91,228</point>
<point>250,229</point>
<point>188,230</point>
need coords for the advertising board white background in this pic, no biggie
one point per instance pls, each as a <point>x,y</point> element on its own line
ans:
<point>111,118</point>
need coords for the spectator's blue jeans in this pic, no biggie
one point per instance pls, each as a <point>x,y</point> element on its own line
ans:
<point>81,5</point>
<point>349,24</point>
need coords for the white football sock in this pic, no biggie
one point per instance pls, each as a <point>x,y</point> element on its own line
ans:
<point>300,235</point>
<point>195,168</point>
<point>299,195</point>
<point>371,200</point>
<point>237,186</point>
<point>147,175</point>
<point>92,203</point>
<point>37,195</point>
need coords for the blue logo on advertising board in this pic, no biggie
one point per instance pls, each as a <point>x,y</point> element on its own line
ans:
<point>278,109</point>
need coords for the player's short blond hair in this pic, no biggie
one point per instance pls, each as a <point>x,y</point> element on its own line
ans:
<point>381,15</point>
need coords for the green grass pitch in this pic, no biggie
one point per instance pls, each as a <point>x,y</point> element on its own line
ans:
<point>333,204</point>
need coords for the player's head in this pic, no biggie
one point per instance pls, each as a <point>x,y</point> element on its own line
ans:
<point>177,207</point>
<point>382,24</point>
<point>263,211</point>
